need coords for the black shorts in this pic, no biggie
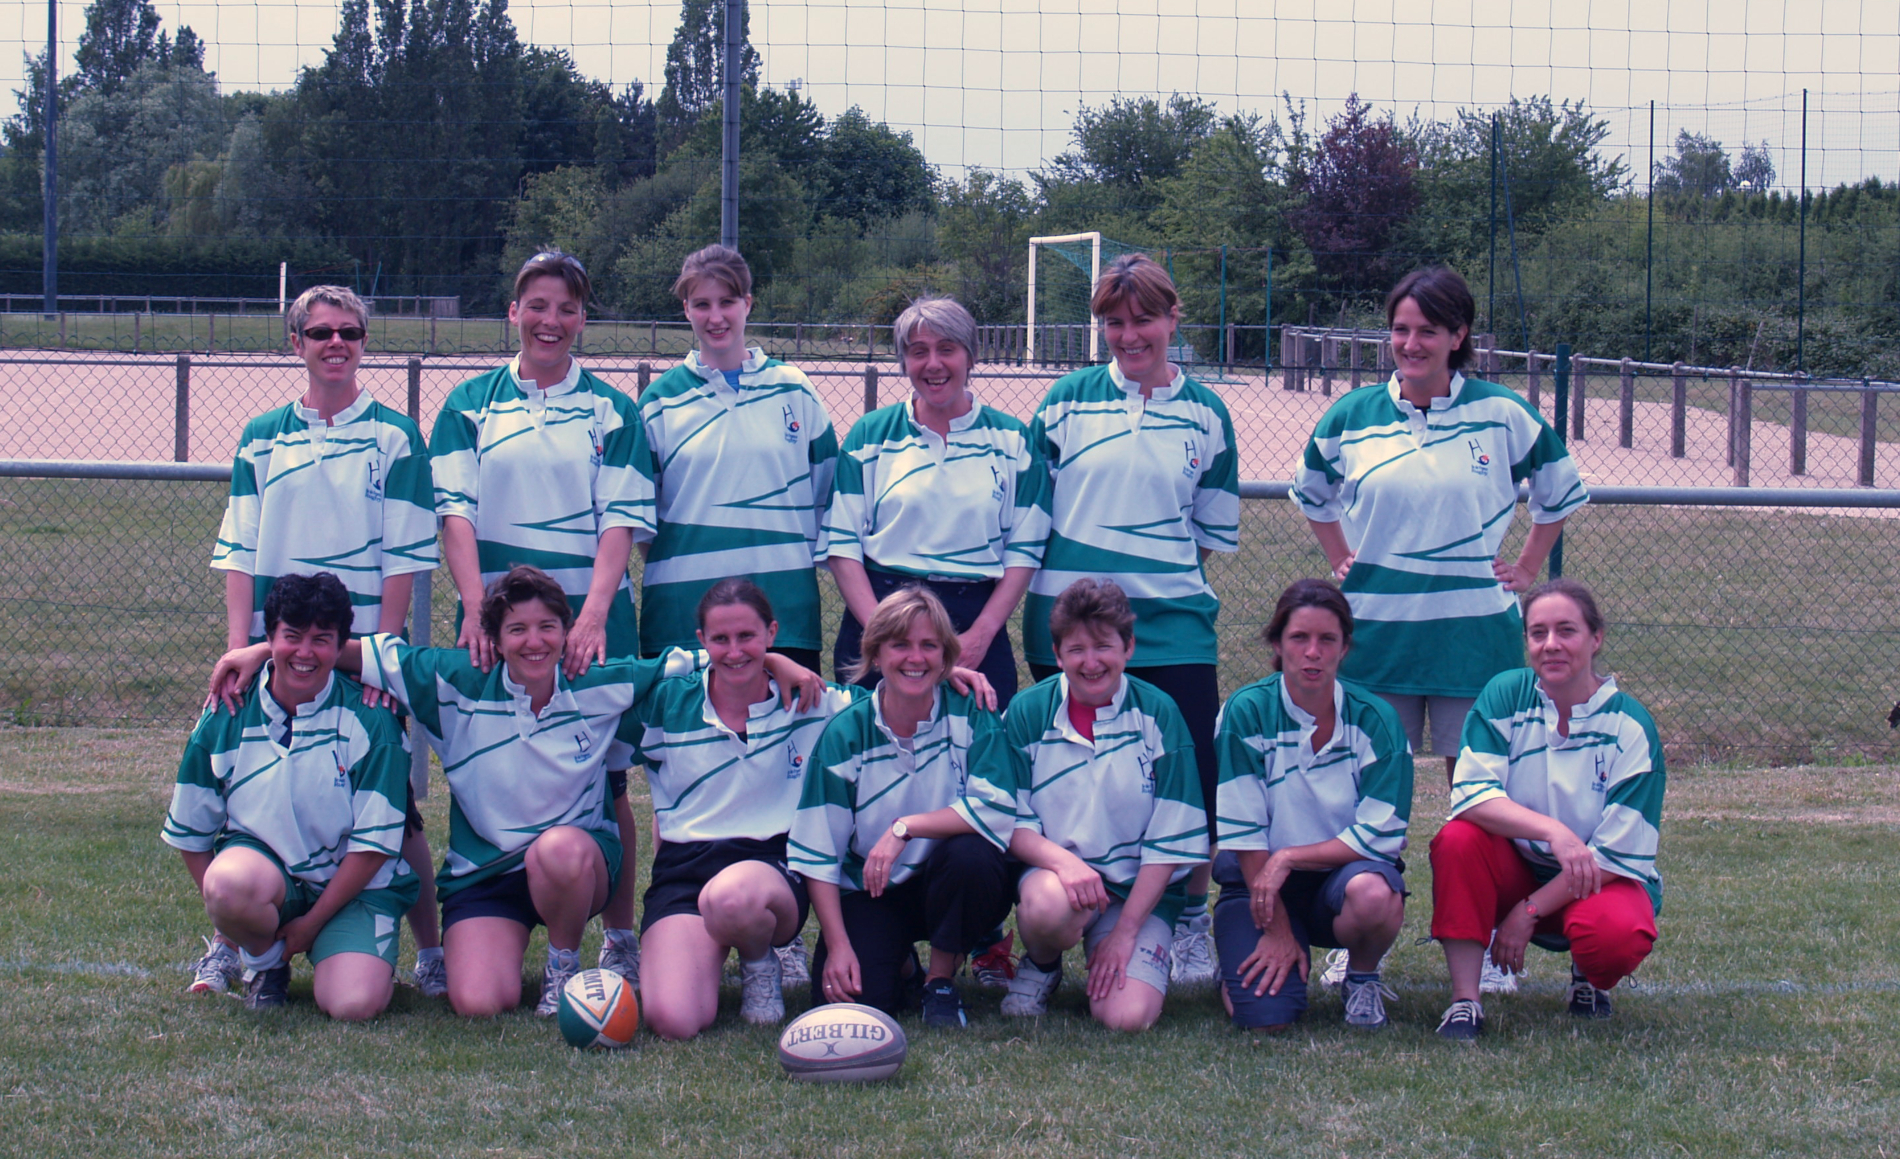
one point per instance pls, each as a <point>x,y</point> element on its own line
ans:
<point>616,784</point>
<point>682,868</point>
<point>505,896</point>
<point>412,820</point>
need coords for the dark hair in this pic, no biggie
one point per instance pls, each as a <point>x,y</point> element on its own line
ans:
<point>1137,277</point>
<point>552,263</point>
<point>1578,594</point>
<point>720,263</point>
<point>892,620</point>
<point>309,601</point>
<point>1091,602</point>
<point>734,590</point>
<point>1307,593</point>
<point>1444,299</point>
<point>521,584</point>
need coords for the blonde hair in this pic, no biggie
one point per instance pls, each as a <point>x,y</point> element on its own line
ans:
<point>892,621</point>
<point>342,297</point>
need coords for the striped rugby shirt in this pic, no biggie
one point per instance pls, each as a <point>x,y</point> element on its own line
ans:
<point>1426,499</point>
<point>352,496</point>
<point>744,477</point>
<point>710,784</point>
<point>1604,781</point>
<point>962,508</point>
<point>1129,798</point>
<point>1276,792</point>
<point>860,780</point>
<point>1139,487</point>
<point>340,786</point>
<point>542,474</point>
<point>512,775</point>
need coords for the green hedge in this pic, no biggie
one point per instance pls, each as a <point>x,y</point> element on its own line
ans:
<point>136,266</point>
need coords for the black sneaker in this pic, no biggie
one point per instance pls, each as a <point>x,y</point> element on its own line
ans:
<point>1586,1001</point>
<point>268,989</point>
<point>910,987</point>
<point>1463,1022</point>
<point>943,1005</point>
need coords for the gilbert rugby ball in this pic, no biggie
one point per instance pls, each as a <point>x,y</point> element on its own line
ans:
<point>842,1042</point>
<point>598,1008</point>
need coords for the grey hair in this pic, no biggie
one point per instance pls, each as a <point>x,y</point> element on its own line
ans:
<point>944,316</point>
<point>342,297</point>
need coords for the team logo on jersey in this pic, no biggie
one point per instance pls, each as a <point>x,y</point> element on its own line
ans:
<point>957,771</point>
<point>795,762</point>
<point>1480,462</point>
<point>1602,782</point>
<point>374,491</point>
<point>1146,761</point>
<point>996,477</point>
<point>342,774</point>
<point>582,744</point>
<point>1193,455</point>
<point>791,424</point>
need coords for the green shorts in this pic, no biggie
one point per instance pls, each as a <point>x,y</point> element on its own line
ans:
<point>369,924</point>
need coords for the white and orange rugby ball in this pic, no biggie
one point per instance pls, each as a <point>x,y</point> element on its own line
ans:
<point>842,1042</point>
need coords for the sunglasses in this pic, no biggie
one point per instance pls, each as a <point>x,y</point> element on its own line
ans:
<point>555,256</point>
<point>323,333</point>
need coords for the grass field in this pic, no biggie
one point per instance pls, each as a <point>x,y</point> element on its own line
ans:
<point>1763,1024</point>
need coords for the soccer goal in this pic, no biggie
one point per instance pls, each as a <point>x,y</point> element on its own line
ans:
<point>1060,326</point>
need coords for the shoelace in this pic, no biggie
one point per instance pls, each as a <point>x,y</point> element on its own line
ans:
<point>1470,1011</point>
<point>1360,999</point>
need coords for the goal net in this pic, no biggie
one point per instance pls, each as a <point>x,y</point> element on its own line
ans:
<point>1062,275</point>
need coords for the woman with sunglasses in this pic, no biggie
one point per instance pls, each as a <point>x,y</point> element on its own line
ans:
<point>539,462</point>
<point>334,476</point>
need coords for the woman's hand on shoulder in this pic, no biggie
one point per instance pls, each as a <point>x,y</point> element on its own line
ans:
<point>586,644</point>
<point>481,649</point>
<point>231,676</point>
<point>974,684</point>
<point>794,679</point>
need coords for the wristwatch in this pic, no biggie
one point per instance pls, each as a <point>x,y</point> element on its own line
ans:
<point>900,830</point>
<point>1530,907</point>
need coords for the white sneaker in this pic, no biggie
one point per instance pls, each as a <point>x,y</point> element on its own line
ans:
<point>1494,980</point>
<point>217,971</point>
<point>553,981</point>
<point>1030,989</point>
<point>622,960</point>
<point>432,977</point>
<point>761,991</point>
<point>1191,962</point>
<point>794,966</point>
<point>1335,972</point>
<point>1365,1002</point>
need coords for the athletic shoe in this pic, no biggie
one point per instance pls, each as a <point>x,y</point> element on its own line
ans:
<point>217,971</point>
<point>1335,972</point>
<point>432,977</point>
<point>623,960</point>
<point>1191,963</point>
<point>1586,1001</point>
<point>995,966</point>
<point>794,964</point>
<point>1365,1002</point>
<point>1463,1021</point>
<point>268,989</point>
<point>1029,990</point>
<point>761,991</point>
<point>943,1006</point>
<point>553,981</point>
<point>1494,980</point>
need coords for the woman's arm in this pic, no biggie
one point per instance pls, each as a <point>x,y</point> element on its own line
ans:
<point>854,584</point>
<point>994,617</point>
<point>841,979</point>
<point>239,592</point>
<point>1332,541</point>
<point>235,670</point>
<point>1108,966</point>
<point>465,569</point>
<point>352,874</point>
<point>1500,815</point>
<point>1082,885</point>
<point>587,640</point>
<point>1266,872</point>
<point>944,822</point>
<point>1521,575</point>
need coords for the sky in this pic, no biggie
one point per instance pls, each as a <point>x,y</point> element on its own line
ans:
<point>996,83</point>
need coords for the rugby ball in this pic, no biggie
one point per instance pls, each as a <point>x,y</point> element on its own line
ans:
<point>598,1008</point>
<point>842,1042</point>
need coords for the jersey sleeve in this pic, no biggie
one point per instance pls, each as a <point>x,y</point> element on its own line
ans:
<point>1556,489</point>
<point>454,461</point>
<point>1317,480</point>
<point>822,453</point>
<point>847,519</point>
<point>827,808</point>
<point>236,547</point>
<point>1177,829</point>
<point>379,784</point>
<point>1484,757</point>
<point>409,675</point>
<point>1027,536</point>
<point>1626,838</point>
<point>1216,517</point>
<point>624,493</point>
<point>409,510</point>
<point>197,811</point>
<point>1243,809</point>
<point>1020,734</point>
<point>988,802</point>
<point>1384,811</point>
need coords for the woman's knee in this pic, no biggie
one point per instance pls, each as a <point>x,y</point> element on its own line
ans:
<point>480,997</point>
<point>563,854</point>
<point>357,1005</point>
<point>1370,899</point>
<point>1458,839</point>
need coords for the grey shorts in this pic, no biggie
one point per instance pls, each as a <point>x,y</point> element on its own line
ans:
<point>1448,719</point>
<point>1154,946</point>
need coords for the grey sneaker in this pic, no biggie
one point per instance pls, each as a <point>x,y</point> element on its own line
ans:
<point>217,971</point>
<point>1029,990</point>
<point>1192,959</point>
<point>1494,980</point>
<point>794,965</point>
<point>431,977</point>
<point>1463,1021</point>
<point>268,989</point>
<point>1586,1001</point>
<point>1365,1002</point>
<point>761,991</point>
<point>553,981</point>
<point>622,960</point>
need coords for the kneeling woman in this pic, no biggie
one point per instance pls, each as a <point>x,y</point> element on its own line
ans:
<point>1556,803</point>
<point>1315,796</point>
<point>305,860</point>
<point>1108,815</point>
<point>532,836</point>
<point>883,834</point>
<point>725,759</point>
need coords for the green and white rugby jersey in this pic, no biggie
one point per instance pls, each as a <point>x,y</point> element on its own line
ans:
<point>744,478</point>
<point>1129,798</point>
<point>1139,488</point>
<point>312,787</point>
<point>710,784</point>
<point>542,474</point>
<point>352,496</point>
<point>860,780</point>
<point>514,775</point>
<point>962,508</point>
<point>1604,781</point>
<point>1276,792</point>
<point>1426,499</point>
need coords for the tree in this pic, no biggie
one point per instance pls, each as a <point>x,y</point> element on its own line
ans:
<point>1700,168</point>
<point>1358,188</point>
<point>983,224</point>
<point>1755,172</point>
<point>117,146</point>
<point>1130,141</point>
<point>121,37</point>
<point>695,78</point>
<point>872,170</point>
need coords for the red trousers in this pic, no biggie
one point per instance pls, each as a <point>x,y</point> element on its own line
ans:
<point>1477,877</point>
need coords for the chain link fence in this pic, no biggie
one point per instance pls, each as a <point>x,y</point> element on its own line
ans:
<point>1758,633</point>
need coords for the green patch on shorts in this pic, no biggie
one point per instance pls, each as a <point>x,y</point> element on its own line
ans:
<point>369,924</point>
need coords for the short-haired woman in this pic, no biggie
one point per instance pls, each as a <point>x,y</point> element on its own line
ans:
<point>1556,810</point>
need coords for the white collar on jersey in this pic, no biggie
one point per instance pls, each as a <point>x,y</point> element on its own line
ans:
<point>962,422</point>
<point>274,712</point>
<point>1160,393</point>
<point>1108,711</point>
<point>523,703</point>
<point>562,387</point>
<point>349,414</point>
<point>1306,720</point>
<point>754,362</point>
<point>1440,402</point>
<point>759,711</point>
<point>1588,708</point>
<point>923,726</point>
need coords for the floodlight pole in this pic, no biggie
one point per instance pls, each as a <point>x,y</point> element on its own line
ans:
<point>49,258</point>
<point>1029,339</point>
<point>729,151</point>
<point>1095,275</point>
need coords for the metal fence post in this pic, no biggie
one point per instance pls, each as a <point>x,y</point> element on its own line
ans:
<point>211,333</point>
<point>1678,410</point>
<point>1744,393</point>
<point>1353,345</point>
<point>1325,367</point>
<point>421,598</point>
<point>1734,409</point>
<point>135,332</point>
<point>415,389</point>
<point>1798,428</point>
<point>1533,370</point>
<point>1626,405</point>
<point>1561,411</point>
<point>181,412</point>
<point>1869,424</point>
<point>870,389</point>
<point>1576,399</point>
<point>646,376</point>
